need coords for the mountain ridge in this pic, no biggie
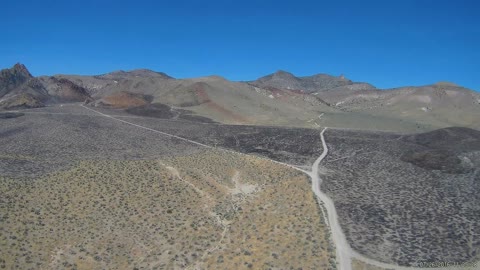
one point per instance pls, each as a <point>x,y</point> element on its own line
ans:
<point>280,98</point>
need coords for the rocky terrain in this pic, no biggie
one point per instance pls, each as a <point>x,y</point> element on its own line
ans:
<point>19,89</point>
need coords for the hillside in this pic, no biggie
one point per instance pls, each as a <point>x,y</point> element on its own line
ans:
<point>212,97</point>
<point>309,84</point>
<point>279,99</point>
<point>440,105</point>
<point>19,89</point>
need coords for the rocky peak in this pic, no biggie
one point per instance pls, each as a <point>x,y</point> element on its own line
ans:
<point>144,73</point>
<point>13,77</point>
<point>149,73</point>
<point>20,69</point>
<point>283,74</point>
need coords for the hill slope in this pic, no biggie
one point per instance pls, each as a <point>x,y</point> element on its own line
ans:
<point>280,99</point>
<point>19,89</point>
<point>308,84</point>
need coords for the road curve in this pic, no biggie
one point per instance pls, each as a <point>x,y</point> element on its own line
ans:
<point>343,250</point>
<point>342,247</point>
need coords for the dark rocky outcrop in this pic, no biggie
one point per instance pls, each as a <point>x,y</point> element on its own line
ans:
<point>19,89</point>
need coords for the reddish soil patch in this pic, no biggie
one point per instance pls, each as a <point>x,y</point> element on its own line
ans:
<point>201,93</point>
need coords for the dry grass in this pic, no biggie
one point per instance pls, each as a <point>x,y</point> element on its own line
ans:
<point>277,226</point>
<point>204,211</point>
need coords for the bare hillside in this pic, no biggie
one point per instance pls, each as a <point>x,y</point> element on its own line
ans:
<point>279,99</point>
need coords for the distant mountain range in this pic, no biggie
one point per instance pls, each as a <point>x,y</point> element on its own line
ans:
<point>280,98</point>
<point>309,84</point>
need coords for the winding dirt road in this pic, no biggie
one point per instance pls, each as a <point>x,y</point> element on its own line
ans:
<point>344,252</point>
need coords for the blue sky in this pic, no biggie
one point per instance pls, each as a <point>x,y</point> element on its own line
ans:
<point>386,43</point>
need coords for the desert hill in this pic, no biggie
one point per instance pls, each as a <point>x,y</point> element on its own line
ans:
<point>213,97</point>
<point>19,89</point>
<point>308,84</point>
<point>280,99</point>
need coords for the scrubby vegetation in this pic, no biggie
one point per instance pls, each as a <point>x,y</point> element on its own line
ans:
<point>271,217</point>
<point>210,210</point>
<point>240,212</point>
<point>404,211</point>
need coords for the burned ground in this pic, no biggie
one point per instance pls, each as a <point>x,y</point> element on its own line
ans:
<point>437,159</point>
<point>457,139</point>
<point>444,149</point>
<point>291,145</point>
<point>405,212</point>
<point>157,110</point>
<point>36,144</point>
<point>163,111</point>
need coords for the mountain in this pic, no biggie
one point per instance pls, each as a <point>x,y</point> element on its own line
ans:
<point>144,73</point>
<point>308,84</point>
<point>136,81</point>
<point>212,97</point>
<point>280,99</point>
<point>13,77</point>
<point>439,104</point>
<point>19,89</point>
<point>63,90</point>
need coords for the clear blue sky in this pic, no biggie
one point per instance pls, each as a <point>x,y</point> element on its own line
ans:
<point>387,43</point>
